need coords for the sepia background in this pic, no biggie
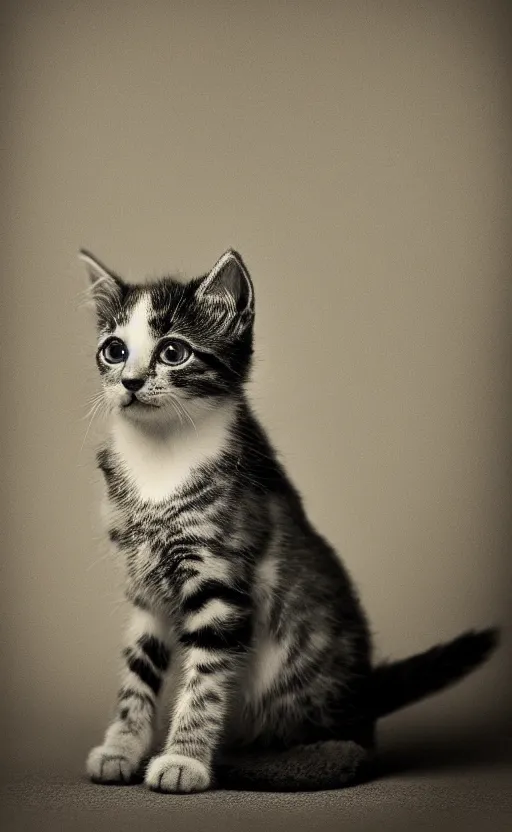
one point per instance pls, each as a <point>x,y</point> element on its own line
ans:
<point>358,156</point>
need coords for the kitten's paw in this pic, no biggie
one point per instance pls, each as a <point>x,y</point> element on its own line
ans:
<point>109,765</point>
<point>177,774</point>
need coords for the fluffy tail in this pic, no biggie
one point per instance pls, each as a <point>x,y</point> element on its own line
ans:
<point>397,684</point>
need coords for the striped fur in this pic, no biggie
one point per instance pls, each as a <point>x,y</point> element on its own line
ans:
<point>229,584</point>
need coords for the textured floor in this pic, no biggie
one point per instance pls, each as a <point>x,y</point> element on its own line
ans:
<point>431,787</point>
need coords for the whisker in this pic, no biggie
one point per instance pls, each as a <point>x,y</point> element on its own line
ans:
<point>189,417</point>
<point>180,417</point>
<point>95,410</point>
<point>184,411</point>
<point>93,402</point>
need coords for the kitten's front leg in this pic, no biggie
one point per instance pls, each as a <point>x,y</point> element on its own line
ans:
<point>215,637</point>
<point>129,737</point>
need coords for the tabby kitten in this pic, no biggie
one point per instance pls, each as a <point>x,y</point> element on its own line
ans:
<point>226,578</point>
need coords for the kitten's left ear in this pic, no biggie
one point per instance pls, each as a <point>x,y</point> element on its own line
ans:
<point>106,290</point>
<point>229,282</point>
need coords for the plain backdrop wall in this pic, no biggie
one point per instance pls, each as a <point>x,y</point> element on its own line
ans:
<point>358,155</point>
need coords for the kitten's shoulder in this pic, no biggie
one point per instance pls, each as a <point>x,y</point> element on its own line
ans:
<point>259,457</point>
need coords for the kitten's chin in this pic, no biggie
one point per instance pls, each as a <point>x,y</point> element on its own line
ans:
<point>170,417</point>
<point>140,410</point>
<point>140,413</point>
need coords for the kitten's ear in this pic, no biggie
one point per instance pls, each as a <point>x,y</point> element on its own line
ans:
<point>229,283</point>
<point>106,290</point>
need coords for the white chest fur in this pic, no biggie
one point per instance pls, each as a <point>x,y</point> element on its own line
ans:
<point>158,465</point>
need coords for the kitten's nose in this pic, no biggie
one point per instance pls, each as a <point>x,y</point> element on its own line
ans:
<point>133,384</point>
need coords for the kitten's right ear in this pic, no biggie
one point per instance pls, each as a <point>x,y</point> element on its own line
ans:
<point>106,290</point>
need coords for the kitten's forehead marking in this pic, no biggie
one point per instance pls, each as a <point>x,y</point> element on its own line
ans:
<point>137,335</point>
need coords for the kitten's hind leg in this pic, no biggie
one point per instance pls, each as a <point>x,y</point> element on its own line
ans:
<point>129,736</point>
<point>329,764</point>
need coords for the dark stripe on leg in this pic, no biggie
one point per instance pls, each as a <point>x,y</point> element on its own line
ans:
<point>236,638</point>
<point>156,651</point>
<point>130,693</point>
<point>213,666</point>
<point>143,670</point>
<point>208,697</point>
<point>211,590</point>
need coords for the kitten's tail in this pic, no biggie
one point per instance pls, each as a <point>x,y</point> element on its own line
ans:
<point>397,684</point>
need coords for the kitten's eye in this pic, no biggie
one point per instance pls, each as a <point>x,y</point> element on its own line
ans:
<point>175,352</point>
<point>115,352</point>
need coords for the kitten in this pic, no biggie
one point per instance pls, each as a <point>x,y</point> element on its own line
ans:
<point>226,578</point>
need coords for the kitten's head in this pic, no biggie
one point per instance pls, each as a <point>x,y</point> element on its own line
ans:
<point>166,348</point>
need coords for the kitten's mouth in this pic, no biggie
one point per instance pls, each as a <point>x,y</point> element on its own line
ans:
<point>137,402</point>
